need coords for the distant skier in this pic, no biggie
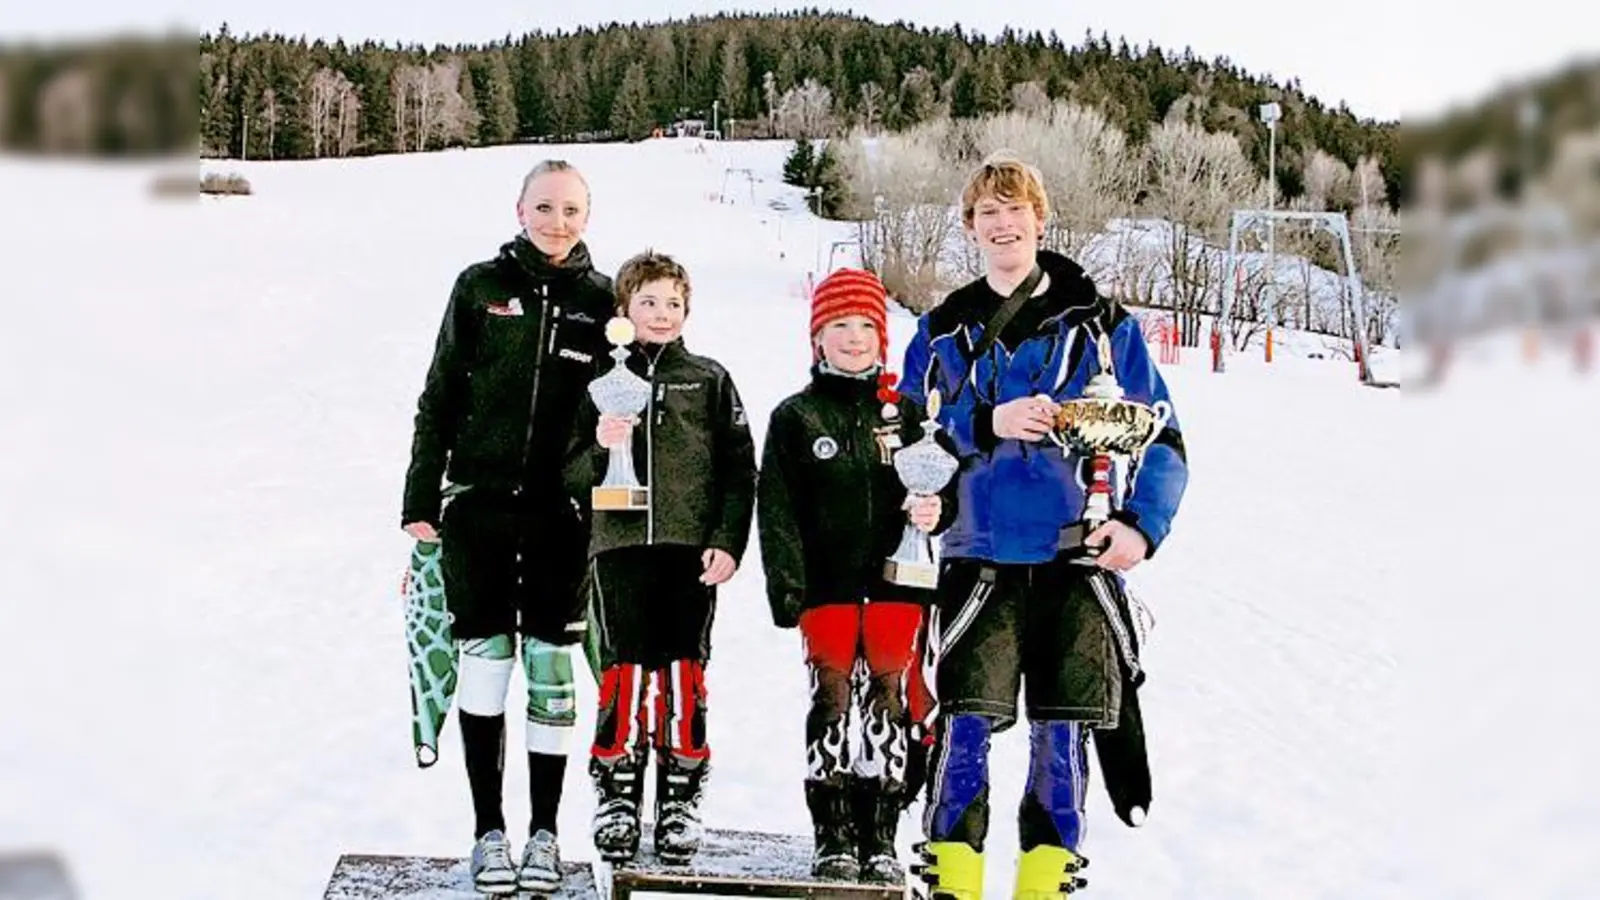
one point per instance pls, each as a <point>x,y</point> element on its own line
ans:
<point>1013,613</point>
<point>517,348</point>
<point>831,509</point>
<point>654,572</point>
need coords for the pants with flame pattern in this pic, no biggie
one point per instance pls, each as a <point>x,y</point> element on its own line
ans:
<point>861,659</point>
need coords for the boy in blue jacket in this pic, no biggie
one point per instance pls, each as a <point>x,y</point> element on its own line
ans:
<point>1014,605</point>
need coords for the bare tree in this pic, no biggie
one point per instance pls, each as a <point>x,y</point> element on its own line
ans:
<point>907,188</point>
<point>406,90</point>
<point>270,113</point>
<point>769,93</point>
<point>1473,180</point>
<point>1571,178</point>
<point>872,105</point>
<point>454,119</point>
<point>1029,98</point>
<point>1247,319</point>
<point>67,112</point>
<point>1327,181</point>
<point>1196,180</point>
<point>805,111</point>
<point>332,110</point>
<point>348,124</point>
<point>428,106</point>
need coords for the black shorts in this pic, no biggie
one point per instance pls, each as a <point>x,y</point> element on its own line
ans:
<point>649,605</point>
<point>513,567</point>
<point>1036,628</point>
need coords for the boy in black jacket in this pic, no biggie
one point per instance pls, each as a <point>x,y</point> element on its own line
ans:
<point>653,572</point>
<point>831,510</point>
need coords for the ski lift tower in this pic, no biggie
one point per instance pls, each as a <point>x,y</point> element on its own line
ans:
<point>1336,224</point>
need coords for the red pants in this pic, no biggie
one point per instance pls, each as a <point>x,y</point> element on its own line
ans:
<point>865,656</point>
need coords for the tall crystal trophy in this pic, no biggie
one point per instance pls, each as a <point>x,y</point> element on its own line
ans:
<point>621,393</point>
<point>924,468</point>
<point>1104,427</point>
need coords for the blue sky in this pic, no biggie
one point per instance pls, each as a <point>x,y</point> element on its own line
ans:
<point>1386,58</point>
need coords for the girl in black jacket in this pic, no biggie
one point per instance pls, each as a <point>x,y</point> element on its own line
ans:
<point>830,510</point>
<point>516,349</point>
<point>654,572</point>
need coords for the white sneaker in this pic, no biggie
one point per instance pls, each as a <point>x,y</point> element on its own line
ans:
<point>541,863</point>
<point>492,872</point>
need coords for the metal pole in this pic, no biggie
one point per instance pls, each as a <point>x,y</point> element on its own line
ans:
<point>1229,281</point>
<point>714,105</point>
<point>1272,205</point>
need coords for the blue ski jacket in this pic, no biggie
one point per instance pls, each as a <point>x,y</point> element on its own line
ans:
<point>1016,496</point>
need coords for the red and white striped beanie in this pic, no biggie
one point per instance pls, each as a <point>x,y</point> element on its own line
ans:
<point>854,292</point>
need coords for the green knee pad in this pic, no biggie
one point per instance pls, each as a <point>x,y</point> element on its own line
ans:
<point>551,698</point>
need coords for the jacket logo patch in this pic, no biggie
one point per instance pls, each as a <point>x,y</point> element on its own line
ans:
<point>888,437</point>
<point>512,307</point>
<point>573,354</point>
<point>824,448</point>
<point>690,386</point>
<point>580,317</point>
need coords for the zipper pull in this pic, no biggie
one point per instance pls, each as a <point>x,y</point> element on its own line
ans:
<point>555,323</point>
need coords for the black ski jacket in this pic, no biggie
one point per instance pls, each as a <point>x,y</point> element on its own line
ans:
<point>519,343</point>
<point>692,447</point>
<point>829,509</point>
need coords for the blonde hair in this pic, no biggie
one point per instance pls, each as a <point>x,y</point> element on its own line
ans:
<point>553,165</point>
<point>1004,177</point>
<point>647,267</point>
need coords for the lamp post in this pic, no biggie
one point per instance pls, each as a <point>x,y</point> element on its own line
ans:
<point>1270,114</point>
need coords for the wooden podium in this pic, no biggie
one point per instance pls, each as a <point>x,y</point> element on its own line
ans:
<point>739,863</point>
<point>364,877</point>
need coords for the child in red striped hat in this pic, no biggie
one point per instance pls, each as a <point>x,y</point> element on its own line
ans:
<point>830,510</point>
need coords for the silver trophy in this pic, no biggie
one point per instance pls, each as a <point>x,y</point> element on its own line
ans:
<point>924,468</point>
<point>620,393</point>
<point>1104,427</point>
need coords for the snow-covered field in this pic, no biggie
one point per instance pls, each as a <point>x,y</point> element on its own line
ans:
<point>1370,674</point>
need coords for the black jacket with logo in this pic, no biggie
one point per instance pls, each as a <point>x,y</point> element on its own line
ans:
<point>519,344</point>
<point>830,505</point>
<point>692,447</point>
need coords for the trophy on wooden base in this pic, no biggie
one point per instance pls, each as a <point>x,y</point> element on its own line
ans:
<point>924,468</point>
<point>620,393</point>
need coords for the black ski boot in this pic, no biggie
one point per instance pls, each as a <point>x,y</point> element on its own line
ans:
<point>834,827</point>
<point>680,782</point>
<point>877,811</point>
<point>620,785</point>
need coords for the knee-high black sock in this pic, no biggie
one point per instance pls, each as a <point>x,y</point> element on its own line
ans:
<point>483,742</point>
<point>546,773</point>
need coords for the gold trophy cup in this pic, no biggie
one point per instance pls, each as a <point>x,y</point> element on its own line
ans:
<point>1104,427</point>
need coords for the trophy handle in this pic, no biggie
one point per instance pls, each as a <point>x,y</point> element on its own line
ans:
<point>1163,414</point>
